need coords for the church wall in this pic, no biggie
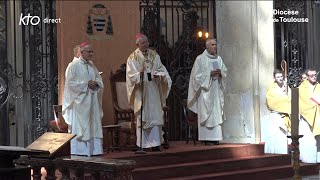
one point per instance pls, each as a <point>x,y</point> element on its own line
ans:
<point>246,44</point>
<point>109,54</point>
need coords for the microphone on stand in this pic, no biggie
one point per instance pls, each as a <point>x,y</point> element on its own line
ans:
<point>140,149</point>
<point>148,70</point>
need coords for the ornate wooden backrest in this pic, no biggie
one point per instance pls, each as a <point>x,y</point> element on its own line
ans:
<point>191,120</point>
<point>123,112</point>
<point>190,117</point>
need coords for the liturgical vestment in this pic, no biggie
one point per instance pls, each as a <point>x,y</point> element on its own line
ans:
<point>206,96</point>
<point>82,107</point>
<point>152,92</point>
<point>279,104</point>
<point>309,124</point>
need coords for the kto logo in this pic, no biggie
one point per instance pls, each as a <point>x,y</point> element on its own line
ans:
<point>33,20</point>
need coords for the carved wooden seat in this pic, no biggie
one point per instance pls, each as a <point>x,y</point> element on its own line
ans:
<point>123,114</point>
<point>113,133</point>
<point>165,127</point>
<point>191,120</point>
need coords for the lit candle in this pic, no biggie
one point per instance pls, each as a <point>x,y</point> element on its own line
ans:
<point>295,112</point>
<point>200,34</point>
<point>207,35</point>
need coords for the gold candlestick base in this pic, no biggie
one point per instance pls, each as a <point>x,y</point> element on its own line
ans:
<point>296,156</point>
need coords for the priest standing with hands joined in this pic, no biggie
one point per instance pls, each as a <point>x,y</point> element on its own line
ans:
<point>82,104</point>
<point>206,93</point>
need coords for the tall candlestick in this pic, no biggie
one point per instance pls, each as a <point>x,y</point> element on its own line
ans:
<point>295,112</point>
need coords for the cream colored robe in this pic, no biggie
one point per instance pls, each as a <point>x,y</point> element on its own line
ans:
<point>309,124</point>
<point>155,91</point>
<point>308,109</point>
<point>86,102</point>
<point>278,101</point>
<point>205,94</point>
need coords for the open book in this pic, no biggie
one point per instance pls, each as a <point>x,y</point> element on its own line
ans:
<point>215,65</point>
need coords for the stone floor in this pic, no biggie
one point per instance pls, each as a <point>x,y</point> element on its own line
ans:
<point>313,177</point>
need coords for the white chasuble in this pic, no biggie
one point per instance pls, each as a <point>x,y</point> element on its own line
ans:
<point>82,107</point>
<point>153,92</point>
<point>205,95</point>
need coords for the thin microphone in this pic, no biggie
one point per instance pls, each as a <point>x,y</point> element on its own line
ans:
<point>148,72</point>
<point>149,76</point>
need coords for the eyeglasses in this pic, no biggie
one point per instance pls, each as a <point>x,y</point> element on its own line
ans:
<point>88,51</point>
<point>312,75</point>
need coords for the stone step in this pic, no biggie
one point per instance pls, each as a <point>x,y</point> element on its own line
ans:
<point>210,166</point>
<point>224,161</point>
<point>199,153</point>
<point>264,173</point>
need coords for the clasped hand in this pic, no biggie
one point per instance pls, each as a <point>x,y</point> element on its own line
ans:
<point>216,73</point>
<point>92,84</point>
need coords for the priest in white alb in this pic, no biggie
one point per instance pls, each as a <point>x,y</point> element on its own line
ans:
<point>82,104</point>
<point>148,84</point>
<point>206,93</point>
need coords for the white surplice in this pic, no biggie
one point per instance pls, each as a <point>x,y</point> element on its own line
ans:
<point>155,93</point>
<point>308,143</point>
<point>82,107</point>
<point>205,96</point>
<point>276,140</point>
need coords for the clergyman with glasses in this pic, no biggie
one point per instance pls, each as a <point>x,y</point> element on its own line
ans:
<point>82,104</point>
<point>309,124</point>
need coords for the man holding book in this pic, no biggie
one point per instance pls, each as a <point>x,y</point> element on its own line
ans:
<point>206,93</point>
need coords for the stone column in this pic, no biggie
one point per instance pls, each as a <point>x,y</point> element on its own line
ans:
<point>246,44</point>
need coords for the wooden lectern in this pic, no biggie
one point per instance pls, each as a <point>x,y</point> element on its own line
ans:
<point>54,144</point>
<point>55,154</point>
<point>48,146</point>
<point>43,151</point>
